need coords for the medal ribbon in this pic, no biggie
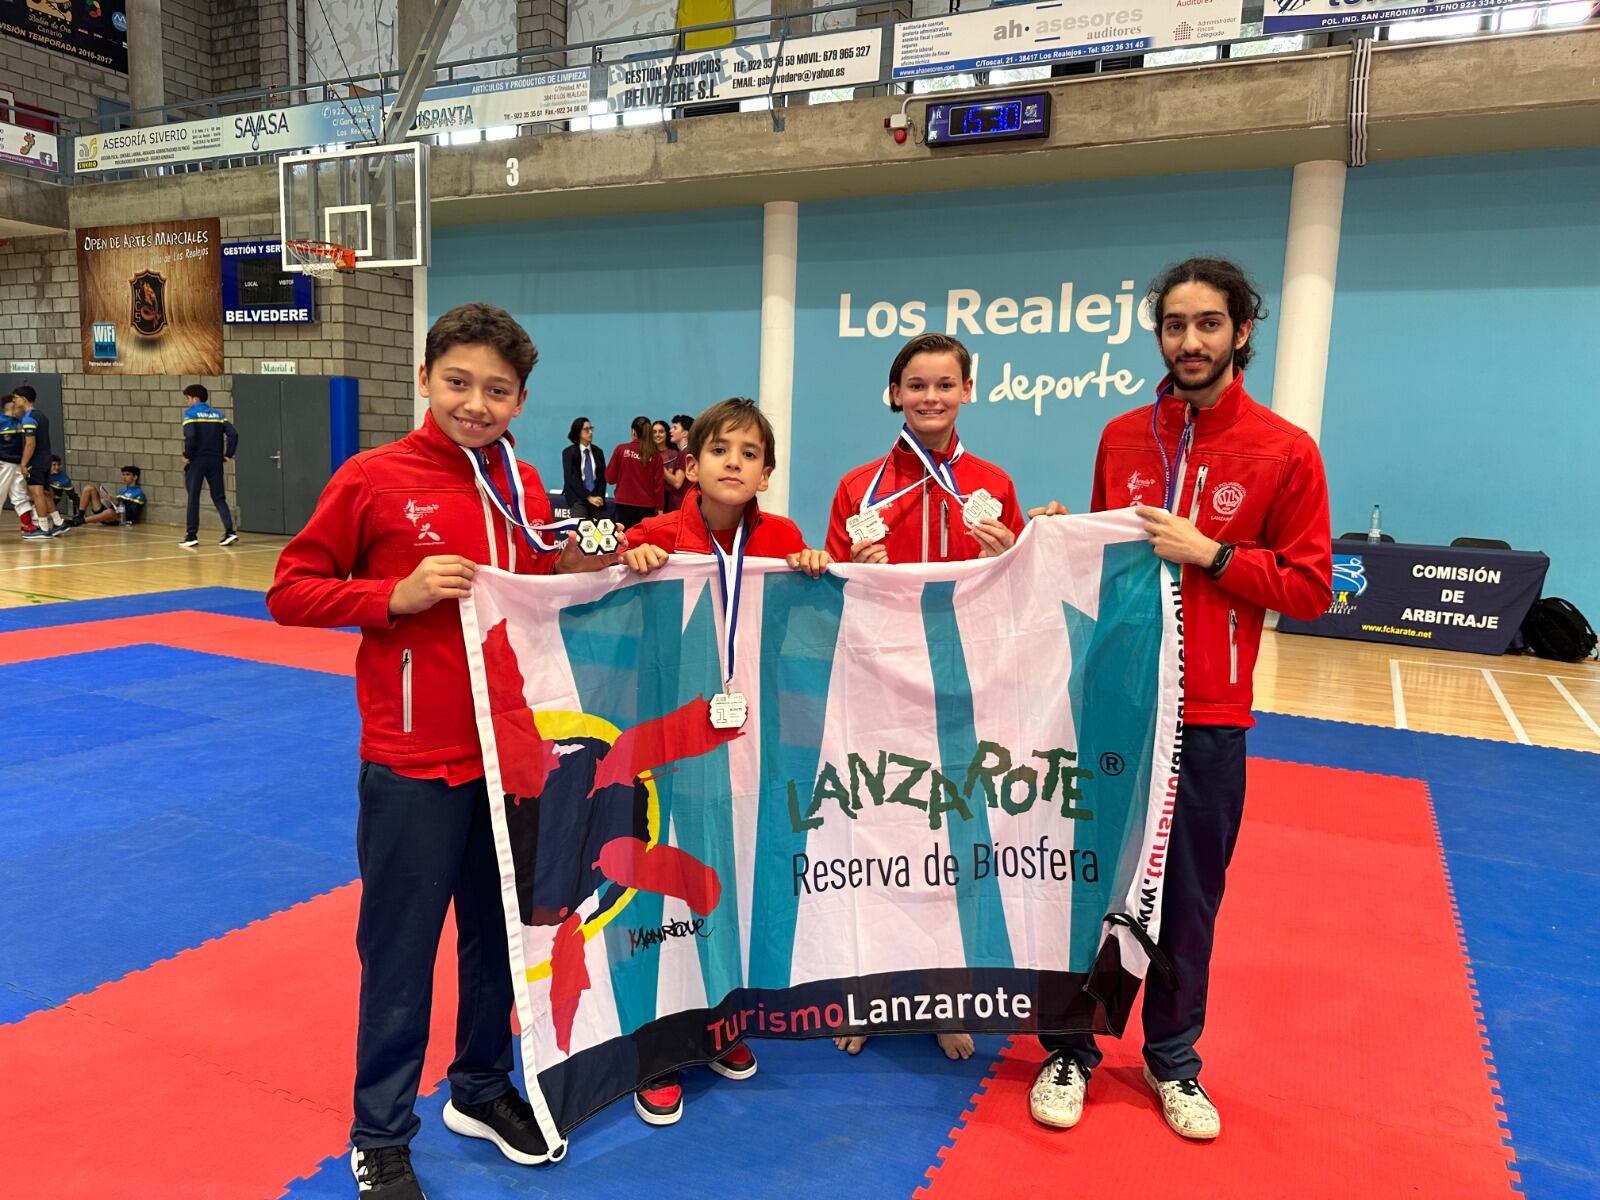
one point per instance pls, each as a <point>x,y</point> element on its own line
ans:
<point>513,510</point>
<point>1174,476</point>
<point>730,573</point>
<point>939,472</point>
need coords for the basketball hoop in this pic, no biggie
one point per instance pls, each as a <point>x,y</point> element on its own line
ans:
<point>320,259</point>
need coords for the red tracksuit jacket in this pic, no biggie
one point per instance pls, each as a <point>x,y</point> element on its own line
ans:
<point>382,513</point>
<point>1264,491</point>
<point>636,482</point>
<point>924,517</point>
<point>684,529</point>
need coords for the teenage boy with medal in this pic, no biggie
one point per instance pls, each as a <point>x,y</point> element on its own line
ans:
<point>393,543</point>
<point>1243,506</point>
<point>729,459</point>
<point>928,499</point>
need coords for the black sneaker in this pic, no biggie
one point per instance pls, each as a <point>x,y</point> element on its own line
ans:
<point>507,1121</point>
<point>385,1173</point>
<point>228,538</point>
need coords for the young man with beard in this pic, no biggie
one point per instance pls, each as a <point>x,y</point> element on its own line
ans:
<point>1237,495</point>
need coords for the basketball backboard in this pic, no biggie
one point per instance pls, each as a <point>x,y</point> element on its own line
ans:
<point>373,199</point>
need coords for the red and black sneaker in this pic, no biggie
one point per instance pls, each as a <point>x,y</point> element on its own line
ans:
<point>738,1063</point>
<point>660,1102</point>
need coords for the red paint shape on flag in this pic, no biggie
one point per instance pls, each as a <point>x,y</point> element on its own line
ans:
<point>1338,921</point>
<point>526,759</point>
<point>665,870</point>
<point>506,685</point>
<point>683,733</point>
<point>569,979</point>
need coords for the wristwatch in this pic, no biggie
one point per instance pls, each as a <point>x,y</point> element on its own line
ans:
<point>1219,564</point>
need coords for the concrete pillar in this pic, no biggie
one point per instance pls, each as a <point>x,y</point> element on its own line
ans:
<point>1310,265</point>
<point>780,225</point>
<point>147,76</point>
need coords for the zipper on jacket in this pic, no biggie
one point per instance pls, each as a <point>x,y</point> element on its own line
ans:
<point>1199,491</point>
<point>944,530</point>
<point>1233,645</point>
<point>405,691</point>
<point>924,518</point>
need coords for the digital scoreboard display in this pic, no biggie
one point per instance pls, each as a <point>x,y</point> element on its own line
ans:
<point>1002,119</point>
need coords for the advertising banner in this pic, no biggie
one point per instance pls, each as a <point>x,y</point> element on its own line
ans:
<point>1027,34</point>
<point>448,108</point>
<point>256,290</point>
<point>1440,597</point>
<point>150,298</point>
<point>31,147</point>
<point>94,30</point>
<point>1298,16</point>
<point>931,799</point>
<point>848,59</point>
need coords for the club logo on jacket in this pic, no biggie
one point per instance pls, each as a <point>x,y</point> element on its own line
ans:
<point>1226,498</point>
<point>416,514</point>
<point>1136,485</point>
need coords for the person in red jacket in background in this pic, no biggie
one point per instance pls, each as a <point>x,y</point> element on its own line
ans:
<point>635,472</point>
<point>393,544</point>
<point>914,498</point>
<point>1237,495</point>
<point>729,458</point>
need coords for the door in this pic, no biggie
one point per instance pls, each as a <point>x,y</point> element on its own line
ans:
<point>258,464</point>
<point>285,449</point>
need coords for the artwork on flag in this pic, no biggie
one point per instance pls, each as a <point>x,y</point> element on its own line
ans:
<point>946,807</point>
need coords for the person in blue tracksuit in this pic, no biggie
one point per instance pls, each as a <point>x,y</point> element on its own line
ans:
<point>209,440</point>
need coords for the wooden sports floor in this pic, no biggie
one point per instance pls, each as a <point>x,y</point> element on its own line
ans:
<point>1511,699</point>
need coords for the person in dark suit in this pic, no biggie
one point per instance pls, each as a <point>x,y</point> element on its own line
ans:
<point>583,471</point>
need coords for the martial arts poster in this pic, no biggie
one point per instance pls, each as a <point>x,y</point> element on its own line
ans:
<point>94,30</point>
<point>946,806</point>
<point>150,298</point>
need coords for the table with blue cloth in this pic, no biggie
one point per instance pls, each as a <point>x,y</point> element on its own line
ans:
<point>1441,597</point>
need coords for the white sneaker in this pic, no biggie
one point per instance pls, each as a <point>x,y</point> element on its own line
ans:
<point>1186,1107</point>
<point>189,543</point>
<point>1056,1098</point>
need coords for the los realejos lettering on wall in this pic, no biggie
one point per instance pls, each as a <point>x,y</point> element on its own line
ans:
<point>970,315</point>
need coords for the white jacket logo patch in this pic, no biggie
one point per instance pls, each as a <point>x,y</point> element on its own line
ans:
<point>1226,498</point>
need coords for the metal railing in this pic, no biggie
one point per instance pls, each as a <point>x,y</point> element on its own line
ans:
<point>606,52</point>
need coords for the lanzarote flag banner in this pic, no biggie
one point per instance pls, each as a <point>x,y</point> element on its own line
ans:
<point>946,808</point>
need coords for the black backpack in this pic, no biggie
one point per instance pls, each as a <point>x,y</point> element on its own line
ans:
<point>1553,628</point>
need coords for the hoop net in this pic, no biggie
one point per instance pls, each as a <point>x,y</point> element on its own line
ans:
<point>321,258</point>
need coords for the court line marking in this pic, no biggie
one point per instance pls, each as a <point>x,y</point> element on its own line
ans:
<point>1422,662</point>
<point>1505,707</point>
<point>114,562</point>
<point>1583,713</point>
<point>1399,694</point>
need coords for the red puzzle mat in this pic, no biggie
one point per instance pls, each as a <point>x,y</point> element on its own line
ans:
<point>1343,1046</point>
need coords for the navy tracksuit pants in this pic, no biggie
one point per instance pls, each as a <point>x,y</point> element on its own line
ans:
<point>421,844</point>
<point>205,471</point>
<point>1205,827</point>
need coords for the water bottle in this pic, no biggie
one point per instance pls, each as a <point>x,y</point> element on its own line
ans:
<point>1375,530</point>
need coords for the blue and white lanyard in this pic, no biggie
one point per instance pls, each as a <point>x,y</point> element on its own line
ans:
<point>518,505</point>
<point>939,472</point>
<point>730,572</point>
<point>1185,440</point>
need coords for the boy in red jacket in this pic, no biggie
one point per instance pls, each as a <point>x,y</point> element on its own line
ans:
<point>1237,495</point>
<point>391,547</point>
<point>729,459</point>
<point>917,493</point>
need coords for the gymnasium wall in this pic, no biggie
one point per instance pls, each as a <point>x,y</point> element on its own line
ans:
<point>1457,390</point>
<point>363,328</point>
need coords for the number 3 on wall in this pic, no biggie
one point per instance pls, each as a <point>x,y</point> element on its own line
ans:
<point>512,172</point>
